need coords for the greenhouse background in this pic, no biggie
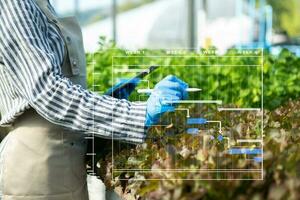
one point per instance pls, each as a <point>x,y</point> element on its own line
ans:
<point>189,24</point>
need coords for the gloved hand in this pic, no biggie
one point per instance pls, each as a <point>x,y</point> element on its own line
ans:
<point>169,89</point>
<point>124,93</point>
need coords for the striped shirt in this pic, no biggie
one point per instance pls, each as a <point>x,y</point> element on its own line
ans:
<point>31,55</point>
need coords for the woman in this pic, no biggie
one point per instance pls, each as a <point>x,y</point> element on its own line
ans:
<point>43,97</point>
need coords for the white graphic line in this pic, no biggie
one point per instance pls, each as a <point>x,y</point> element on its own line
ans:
<point>228,141</point>
<point>131,70</point>
<point>188,111</point>
<point>239,109</point>
<point>220,125</point>
<point>148,90</point>
<point>193,101</point>
<point>249,141</point>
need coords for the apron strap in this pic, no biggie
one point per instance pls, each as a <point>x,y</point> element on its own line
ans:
<point>43,4</point>
<point>69,28</point>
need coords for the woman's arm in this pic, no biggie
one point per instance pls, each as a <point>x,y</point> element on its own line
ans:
<point>36,73</point>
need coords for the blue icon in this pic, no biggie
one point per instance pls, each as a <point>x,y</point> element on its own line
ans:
<point>258,159</point>
<point>220,138</point>
<point>192,121</point>
<point>192,131</point>
<point>236,151</point>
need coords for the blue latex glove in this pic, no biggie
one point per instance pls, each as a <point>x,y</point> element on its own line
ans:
<point>125,92</point>
<point>169,89</point>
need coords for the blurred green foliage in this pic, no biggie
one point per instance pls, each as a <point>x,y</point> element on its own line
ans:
<point>232,84</point>
<point>286,16</point>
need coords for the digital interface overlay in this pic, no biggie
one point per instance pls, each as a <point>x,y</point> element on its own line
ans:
<point>228,147</point>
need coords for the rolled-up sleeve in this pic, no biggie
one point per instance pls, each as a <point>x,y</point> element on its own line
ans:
<point>33,68</point>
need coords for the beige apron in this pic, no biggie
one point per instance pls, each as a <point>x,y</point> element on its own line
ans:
<point>43,161</point>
